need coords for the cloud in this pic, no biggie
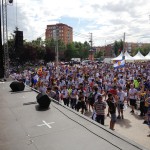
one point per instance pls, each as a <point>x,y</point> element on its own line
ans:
<point>107,20</point>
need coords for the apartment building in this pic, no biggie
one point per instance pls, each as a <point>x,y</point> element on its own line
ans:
<point>59,31</point>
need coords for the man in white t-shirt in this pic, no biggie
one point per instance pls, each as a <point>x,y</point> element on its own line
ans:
<point>121,99</point>
<point>122,82</point>
<point>132,97</point>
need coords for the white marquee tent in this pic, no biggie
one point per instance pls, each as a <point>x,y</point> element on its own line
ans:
<point>128,57</point>
<point>147,57</point>
<point>139,56</point>
<point>118,57</point>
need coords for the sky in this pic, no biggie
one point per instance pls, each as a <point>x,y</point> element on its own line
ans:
<point>107,20</point>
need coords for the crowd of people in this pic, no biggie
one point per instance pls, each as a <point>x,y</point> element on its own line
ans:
<point>95,88</point>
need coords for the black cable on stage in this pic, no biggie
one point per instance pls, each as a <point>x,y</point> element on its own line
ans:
<point>86,128</point>
<point>94,124</point>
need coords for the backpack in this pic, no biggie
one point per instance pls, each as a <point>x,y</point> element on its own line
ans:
<point>91,98</point>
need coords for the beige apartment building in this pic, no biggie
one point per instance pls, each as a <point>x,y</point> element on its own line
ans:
<point>59,31</point>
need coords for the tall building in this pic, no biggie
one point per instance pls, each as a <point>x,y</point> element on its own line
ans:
<point>60,30</point>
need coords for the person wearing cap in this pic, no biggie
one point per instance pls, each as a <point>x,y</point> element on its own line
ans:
<point>99,107</point>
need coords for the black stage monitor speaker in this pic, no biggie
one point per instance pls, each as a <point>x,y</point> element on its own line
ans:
<point>17,86</point>
<point>43,100</point>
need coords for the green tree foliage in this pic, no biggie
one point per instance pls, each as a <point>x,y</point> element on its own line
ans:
<point>61,49</point>
<point>98,54</point>
<point>38,49</point>
<point>77,50</point>
<point>38,45</point>
<point>86,49</point>
<point>70,52</point>
<point>143,49</point>
<point>50,46</point>
<point>118,46</point>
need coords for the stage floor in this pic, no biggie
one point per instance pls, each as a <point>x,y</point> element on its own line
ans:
<point>24,127</point>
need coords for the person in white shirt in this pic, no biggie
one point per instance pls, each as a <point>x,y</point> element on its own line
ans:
<point>43,88</point>
<point>122,82</point>
<point>132,97</point>
<point>120,104</point>
<point>65,95</point>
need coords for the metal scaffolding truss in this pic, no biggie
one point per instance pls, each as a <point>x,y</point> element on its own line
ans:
<point>5,37</point>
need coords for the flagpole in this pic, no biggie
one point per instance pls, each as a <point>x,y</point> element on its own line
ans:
<point>124,43</point>
<point>124,52</point>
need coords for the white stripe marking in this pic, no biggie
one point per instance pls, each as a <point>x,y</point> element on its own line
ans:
<point>45,123</point>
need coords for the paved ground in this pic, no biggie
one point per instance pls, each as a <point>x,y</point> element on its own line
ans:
<point>131,127</point>
<point>24,127</point>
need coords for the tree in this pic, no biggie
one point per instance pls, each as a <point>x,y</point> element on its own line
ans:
<point>86,48</point>
<point>70,51</point>
<point>61,49</point>
<point>77,50</point>
<point>98,54</point>
<point>118,47</point>
<point>50,46</point>
<point>38,44</point>
<point>144,50</point>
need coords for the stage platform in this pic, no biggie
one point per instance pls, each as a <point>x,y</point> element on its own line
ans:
<point>24,127</point>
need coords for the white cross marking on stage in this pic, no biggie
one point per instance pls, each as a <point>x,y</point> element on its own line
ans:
<point>45,123</point>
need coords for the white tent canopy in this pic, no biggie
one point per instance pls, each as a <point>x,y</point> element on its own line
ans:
<point>147,57</point>
<point>127,56</point>
<point>138,56</point>
<point>118,57</point>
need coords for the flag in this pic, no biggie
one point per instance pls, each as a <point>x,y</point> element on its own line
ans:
<point>119,64</point>
<point>40,71</point>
